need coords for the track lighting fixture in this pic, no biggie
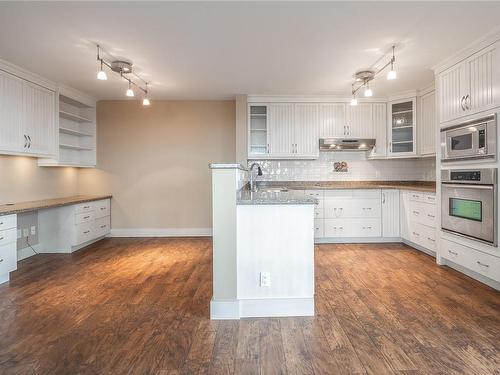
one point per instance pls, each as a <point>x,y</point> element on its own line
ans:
<point>146,101</point>
<point>125,69</point>
<point>364,76</point>
<point>101,75</point>
<point>130,92</point>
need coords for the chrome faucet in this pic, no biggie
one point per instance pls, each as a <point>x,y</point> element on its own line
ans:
<point>253,186</point>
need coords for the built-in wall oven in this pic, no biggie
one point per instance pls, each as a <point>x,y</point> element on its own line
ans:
<point>469,203</point>
<point>474,139</point>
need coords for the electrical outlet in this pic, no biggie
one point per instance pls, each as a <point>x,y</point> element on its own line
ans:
<point>33,230</point>
<point>26,232</point>
<point>19,233</point>
<point>265,279</point>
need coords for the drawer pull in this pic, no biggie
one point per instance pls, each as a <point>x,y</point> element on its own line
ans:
<point>87,231</point>
<point>452,252</point>
<point>1,238</point>
<point>483,264</point>
<point>431,216</point>
<point>431,239</point>
<point>86,217</point>
<point>1,223</point>
<point>416,212</point>
<point>1,260</point>
<point>103,208</point>
<point>86,206</point>
<point>416,234</point>
<point>104,226</point>
<point>367,208</point>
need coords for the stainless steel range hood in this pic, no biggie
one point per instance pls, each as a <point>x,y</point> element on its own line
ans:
<point>346,144</point>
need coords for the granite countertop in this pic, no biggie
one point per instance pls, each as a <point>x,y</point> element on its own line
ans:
<point>20,207</point>
<point>424,186</point>
<point>246,197</point>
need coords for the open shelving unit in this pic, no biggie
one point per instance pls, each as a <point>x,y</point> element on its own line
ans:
<point>77,131</point>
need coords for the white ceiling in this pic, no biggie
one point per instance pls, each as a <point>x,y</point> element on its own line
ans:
<point>216,50</point>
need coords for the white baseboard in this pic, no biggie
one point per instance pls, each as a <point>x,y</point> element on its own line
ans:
<point>161,232</point>
<point>261,308</point>
<point>276,307</point>
<point>326,240</point>
<point>420,248</point>
<point>224,309</point>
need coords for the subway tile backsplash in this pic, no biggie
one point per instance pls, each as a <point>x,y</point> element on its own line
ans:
<point>359,168</point>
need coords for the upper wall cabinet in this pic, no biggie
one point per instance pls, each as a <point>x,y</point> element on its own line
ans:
<point>341,120</point>
<point>379,113</point>
<point>470,86</point>
<point>360,121</point>
<point>333,120</point>
<point>427,125</point>
<point>27,117</point>
<point>401,127</point>
<point>283,131</point>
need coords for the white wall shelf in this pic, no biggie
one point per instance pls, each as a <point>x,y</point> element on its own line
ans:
<point>74,132</point>
<point>73,117</point>
<point>73,147</point>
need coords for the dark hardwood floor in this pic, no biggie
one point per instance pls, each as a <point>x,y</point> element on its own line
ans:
<point>140,306</point>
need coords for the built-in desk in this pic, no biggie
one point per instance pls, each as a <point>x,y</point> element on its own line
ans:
<point>64,225</point>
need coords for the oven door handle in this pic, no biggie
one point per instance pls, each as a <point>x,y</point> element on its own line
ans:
<point>469,186</point>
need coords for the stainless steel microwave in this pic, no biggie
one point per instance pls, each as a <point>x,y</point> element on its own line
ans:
<point>475,139</point>
<point>469,203</point>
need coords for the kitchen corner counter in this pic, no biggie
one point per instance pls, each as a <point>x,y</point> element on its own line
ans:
<point>424,186</point>
<point>16,208</point>
<point>246,197</point>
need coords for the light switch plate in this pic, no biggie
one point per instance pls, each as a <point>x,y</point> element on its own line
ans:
<point>33,230</point>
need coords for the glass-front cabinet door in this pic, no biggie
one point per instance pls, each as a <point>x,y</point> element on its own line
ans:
<point>402,125</point>
<point>257,130</point>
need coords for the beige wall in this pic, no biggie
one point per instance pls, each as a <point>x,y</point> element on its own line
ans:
<point>155,160</point>
<point>21,179</point>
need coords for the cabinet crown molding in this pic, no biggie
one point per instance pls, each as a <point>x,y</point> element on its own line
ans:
<point>26,75</point>
<point>490,38</point>
<point>309,99</point>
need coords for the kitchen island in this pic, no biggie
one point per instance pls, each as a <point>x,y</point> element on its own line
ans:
<point>263,249</point>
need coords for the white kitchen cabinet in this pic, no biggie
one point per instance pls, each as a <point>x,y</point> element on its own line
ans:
<point>281,129</point>
<point>27,117</point>
<point>390,213</point>
<point>427,125</point>
<point>470,86</point>
<point>404,215</point>
<point>258,143</point>
<point>360,121</point>
<point>39,119</point>
<point>306,130</point>
<point>333,120</point>
<point>11,113</point>
<point>379,130</point>
<point>401,129</point>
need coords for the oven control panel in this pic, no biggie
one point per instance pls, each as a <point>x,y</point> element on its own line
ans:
<point>465,175</point>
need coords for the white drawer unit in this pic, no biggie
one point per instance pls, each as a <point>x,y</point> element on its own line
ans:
<point>8,246</point>
<point>84,217</point>
<point>84,207</point>
<point>424,213</point>
<point>484,264</point>
<point>8,222</point>
<point>352,227</point>
<point>102,208</point>
<point>423,235</point>
<point>8,258</point>
<point>352,208</point>
<point>8,236</point>
<point>84,232</point>
<point>102,226</point>
<point>319,228</point>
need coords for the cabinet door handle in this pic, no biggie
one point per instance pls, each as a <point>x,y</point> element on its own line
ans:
<point>87,231</point>
<point>467,102</point>
<point>390,146</point>
<point>86,217</point>
<point>29,139</point>
<point>25,141</point>
<point>483,264</point>
<point>1,238</point>
<point>1,260</point>
<point>367,227</point>
<point>383,197</point>
<point>103,226</point>
<point>462,103</point>
<point>268,149</point>
<point>103,208</point>
<point>452,252</point>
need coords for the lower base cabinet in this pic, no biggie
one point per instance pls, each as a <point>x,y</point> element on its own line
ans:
<point>484,264</point>
<point>8,246</point>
